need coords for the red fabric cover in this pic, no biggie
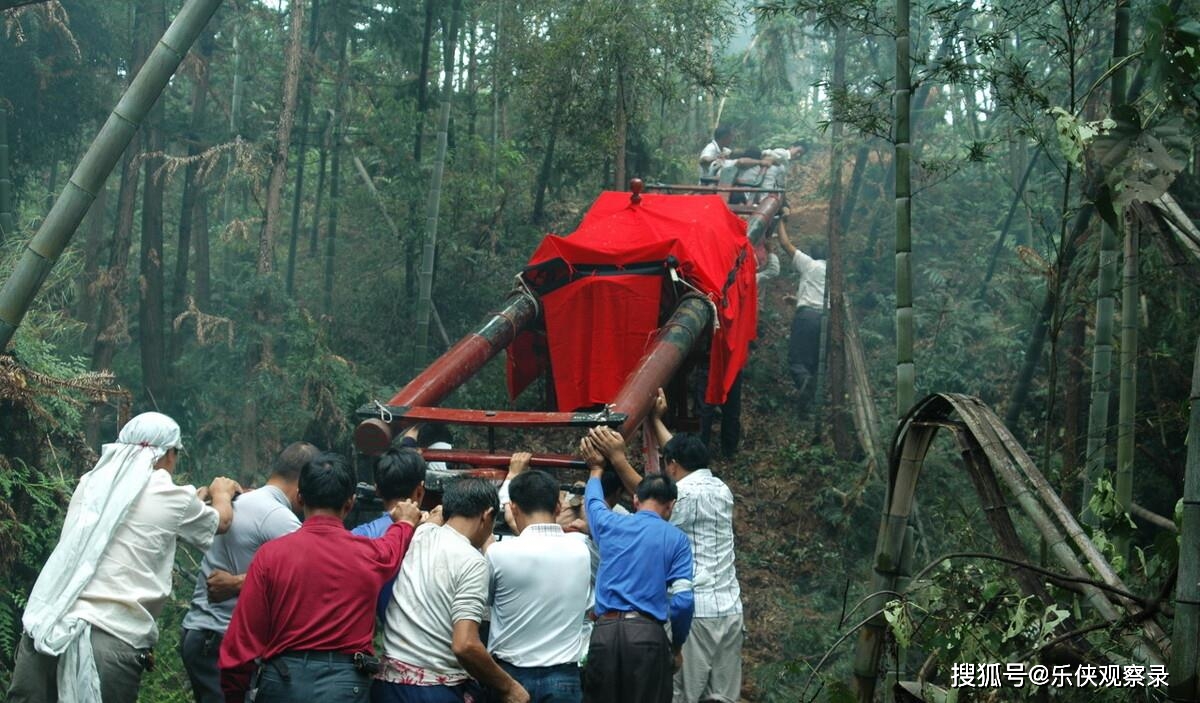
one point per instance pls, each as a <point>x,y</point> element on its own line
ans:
<point>598,327</point>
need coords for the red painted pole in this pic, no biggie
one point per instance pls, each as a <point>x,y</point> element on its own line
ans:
<point>452,369</point>
<point>661,361</point>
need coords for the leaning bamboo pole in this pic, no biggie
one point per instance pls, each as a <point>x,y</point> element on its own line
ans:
<point>1185,654</point>
<point>72,204</point>
<point>991,446</point>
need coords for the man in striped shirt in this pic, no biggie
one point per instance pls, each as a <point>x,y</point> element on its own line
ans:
<point>712,655</point>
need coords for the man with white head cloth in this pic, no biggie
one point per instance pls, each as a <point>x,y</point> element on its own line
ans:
<point>89,624</point>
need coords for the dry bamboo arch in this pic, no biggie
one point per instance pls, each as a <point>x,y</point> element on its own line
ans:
<point>993,458</point>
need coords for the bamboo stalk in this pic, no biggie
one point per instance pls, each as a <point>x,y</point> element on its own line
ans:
<point>7,221</point>
<point>1130,303</point>
<point>1185,655</point>
<point>42,252</point>
<point>905,368</point>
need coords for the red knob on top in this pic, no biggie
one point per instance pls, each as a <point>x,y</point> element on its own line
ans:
<point>636,186</point>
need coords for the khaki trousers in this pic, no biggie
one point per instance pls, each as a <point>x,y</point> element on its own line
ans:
<point>712,661</point>
<point>119,664</point>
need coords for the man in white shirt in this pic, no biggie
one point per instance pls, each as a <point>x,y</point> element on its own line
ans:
<point>712,655</point>
<point>540,588</point>
<point>89,623</point>
<point>804,344</point>
<point>713,155</point>
<point>431,627</point>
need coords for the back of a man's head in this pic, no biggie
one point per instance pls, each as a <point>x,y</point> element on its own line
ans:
<point>723,131</point>
<point>688,450</point>
<point>657,487</point>
<point>469,497</point>
<point>292,459</point>
<point>398,472</point>
<point>534,492</point>
<point>326,482</point>
<point>610,481</point>
<point>431,433</point>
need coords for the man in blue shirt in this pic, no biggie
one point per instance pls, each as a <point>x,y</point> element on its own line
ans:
<point>644,580</point>
<point>399,476</point>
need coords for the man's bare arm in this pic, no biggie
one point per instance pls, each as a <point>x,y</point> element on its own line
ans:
<point>474,657</point>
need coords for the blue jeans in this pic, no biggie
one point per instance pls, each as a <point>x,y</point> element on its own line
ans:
<point>312,676</point>
<point>548,684</point>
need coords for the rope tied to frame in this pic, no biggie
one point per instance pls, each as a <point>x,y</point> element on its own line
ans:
<point>384,413</point>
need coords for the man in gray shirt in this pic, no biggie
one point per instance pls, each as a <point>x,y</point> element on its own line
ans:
<point>258,517</point>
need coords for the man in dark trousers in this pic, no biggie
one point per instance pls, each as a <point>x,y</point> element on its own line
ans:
<point>804,344</point>
<point>644,580</point>
<point>306,608</point>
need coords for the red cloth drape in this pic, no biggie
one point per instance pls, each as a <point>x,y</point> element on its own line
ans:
<point>599,323</point>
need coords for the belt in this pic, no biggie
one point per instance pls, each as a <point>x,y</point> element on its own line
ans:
<point>627,615</point>
<point>315,655</point>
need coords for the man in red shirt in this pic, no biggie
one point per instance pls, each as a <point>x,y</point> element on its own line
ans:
<point>306,613</point>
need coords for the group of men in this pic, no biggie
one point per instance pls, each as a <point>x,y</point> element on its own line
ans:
<point>618,606</point>
<point>767,169</point>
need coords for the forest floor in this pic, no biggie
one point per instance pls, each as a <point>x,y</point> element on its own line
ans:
<point>800,542</point>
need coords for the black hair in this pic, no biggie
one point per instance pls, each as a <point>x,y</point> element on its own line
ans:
<point>657,487</point>
<point>433,432</point>
<point>688,450</point>
<point>722,131</point>
<point>326,481</point>
<point>534,492</point>
<point>611,483</point>
<point>398,472</point>
<point>292,459</point>
<point>802,143</point>
<point>469,497</point>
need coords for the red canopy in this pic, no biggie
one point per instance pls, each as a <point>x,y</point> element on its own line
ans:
<point>600,289</point>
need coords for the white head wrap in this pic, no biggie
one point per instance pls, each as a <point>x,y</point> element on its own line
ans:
<point>98,508</point>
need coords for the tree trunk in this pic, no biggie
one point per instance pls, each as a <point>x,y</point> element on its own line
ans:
<point>839,420</point>
<point>1037,340</point>
<point>335,175</point>
<point>905,368</point>
<point>1097,453</point>
<point>235,112</point>
<point>620,127</point>
<point>192,186</point>
<point>112,327</point>
<point>301,155</point>
<point>425,301</point>
<point>150,288</point>
<point>414,203</point>
<point>7,218</point>
<point>93,244</point>
<point>1073,405</point>
<point>543,180</point>
<point>1184,671</point>
<point>202,266</point>
<point>472,74</point>
<point>326,145</point>
<point>283,139</point>
<point>1130,301</point>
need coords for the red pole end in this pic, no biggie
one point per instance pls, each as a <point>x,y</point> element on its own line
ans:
<point>636,185</point>
<point>373,437</point>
